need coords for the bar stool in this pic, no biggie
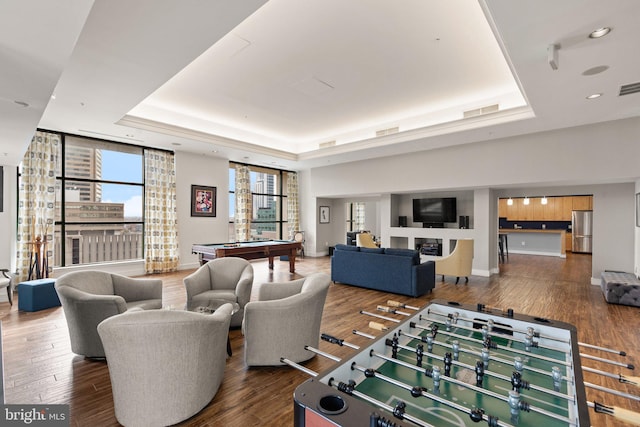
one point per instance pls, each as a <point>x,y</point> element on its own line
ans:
<point>503,245</point>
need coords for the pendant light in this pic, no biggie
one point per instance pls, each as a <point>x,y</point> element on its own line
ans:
<point>544,200</point>
<point>510,201</point>
<point>526,200</point>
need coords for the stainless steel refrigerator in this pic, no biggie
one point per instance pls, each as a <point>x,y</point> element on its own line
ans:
<point>581,227</point>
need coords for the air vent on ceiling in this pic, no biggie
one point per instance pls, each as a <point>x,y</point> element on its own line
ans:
<point>630,88</point>
<point>327,144</point>
<point>388,131</point>
<point>482,110</point>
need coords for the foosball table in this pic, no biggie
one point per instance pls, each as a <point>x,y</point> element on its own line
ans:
<point>447,364</point>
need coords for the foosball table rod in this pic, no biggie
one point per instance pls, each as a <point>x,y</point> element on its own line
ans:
<point>625,415</point>
<point>611,362</point>
<point>635,381</point>
<point>322,353</point>
<point>612,391</point>
<point>398,304</point>
<point>509,349</point>
<point>298,367</point>
<point>536,334</point>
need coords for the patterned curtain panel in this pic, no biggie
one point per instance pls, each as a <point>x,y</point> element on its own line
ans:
<point>36,209</point>
<point>160,213</point>
<point>244,205</point>
<point>359,212</point>
<point>293,211</point>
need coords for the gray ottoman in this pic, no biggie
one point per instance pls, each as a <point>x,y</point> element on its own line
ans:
<point>620,288</point>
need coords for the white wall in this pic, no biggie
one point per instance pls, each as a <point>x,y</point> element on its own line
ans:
<point>200,170</point>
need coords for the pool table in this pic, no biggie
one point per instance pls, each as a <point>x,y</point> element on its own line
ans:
<point>249,250</point>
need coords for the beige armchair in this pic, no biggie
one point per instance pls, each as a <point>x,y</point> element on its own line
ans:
<point>229,279</point>
<point>89,297</point>
<point>459,263</point>
<point>284,320</point>
<point>165,365</point>
<point>6,281</point>
<point>365,240</point>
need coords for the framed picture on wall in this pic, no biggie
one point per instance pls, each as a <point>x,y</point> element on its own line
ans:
<point>325,215</point>
<point>203,201</point>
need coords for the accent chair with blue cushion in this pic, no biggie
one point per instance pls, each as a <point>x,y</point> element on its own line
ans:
<point>398,271</point>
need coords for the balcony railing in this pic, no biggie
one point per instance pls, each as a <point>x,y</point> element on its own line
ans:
<point>97,248</point>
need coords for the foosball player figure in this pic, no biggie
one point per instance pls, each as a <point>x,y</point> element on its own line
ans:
<point>419,353</point>
<point>479,373</point>
<point>455,346</point>
<point>447,364</point>
<point>517,383</point>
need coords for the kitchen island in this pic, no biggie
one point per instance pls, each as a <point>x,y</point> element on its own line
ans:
<point>536,241</point>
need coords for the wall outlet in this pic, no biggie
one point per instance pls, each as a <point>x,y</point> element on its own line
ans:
<point>523,243</point>
<point>326,244</point>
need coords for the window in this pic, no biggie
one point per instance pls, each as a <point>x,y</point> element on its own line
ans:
<point>99,202</point>
<point>268,188</point>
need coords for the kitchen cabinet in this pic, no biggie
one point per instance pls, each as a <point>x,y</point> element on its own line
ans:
<point>582,203</point>
<point>568,242</point>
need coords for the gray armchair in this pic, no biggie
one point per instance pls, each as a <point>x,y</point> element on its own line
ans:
<point>165,365</point>
<point>89,297</point>
<point>229,279</point>
<point>284,320</point>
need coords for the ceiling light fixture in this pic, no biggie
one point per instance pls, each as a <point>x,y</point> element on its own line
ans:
<point>526,200</point>
<point>544,200</point>
<point>600,32</point>
<point>594,96</point>
<point>510,201</point>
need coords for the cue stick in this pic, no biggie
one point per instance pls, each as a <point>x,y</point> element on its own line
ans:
<point>431,396</point>
<point>322,353</point>
<point>393,303</point>
<point>486,371</point>
<point>512,350</point>
<point>612,391</point>
<point>363,334</point>
<point>611,362</point>
<point>621,378</point>
<point>536,333</point>
<point>616,412</point>
<point>379,316</point>
<point>425,393</point>
<point>391,310</point>
<point>298,367</point>
<point>507,337</point>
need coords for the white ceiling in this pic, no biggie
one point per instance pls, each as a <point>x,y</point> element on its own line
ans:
<point>268,82</point>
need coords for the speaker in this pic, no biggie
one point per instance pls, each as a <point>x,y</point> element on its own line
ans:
<point>463,221</point>
<point>402,221</point>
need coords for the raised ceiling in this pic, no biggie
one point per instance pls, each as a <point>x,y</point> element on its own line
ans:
<point>277,82</point>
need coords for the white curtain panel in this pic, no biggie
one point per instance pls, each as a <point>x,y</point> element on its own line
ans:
<point>244,204</point>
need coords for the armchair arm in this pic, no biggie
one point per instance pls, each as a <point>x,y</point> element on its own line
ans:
<point>425,277</point>
<point>197,282</point>
<point>277,291</point>
<point>136,289</point>
<point>243,289</point>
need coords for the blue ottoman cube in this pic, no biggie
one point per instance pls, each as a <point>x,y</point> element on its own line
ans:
<point>35,295</point>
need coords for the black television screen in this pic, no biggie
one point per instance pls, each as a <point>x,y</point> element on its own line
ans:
<point>435,210</point>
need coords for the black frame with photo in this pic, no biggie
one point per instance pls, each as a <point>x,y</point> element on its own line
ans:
<point>324,214</point>
<point>203,207</point>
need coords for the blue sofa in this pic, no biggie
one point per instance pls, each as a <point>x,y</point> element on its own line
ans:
<point>384,269</point>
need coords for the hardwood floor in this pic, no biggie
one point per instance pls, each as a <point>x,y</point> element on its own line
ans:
<point>40,368</point>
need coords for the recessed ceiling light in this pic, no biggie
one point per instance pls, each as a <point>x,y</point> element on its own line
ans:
<point>53,96</point>
<point>595,70</point>
<point>594,96</point>
<point>177,144</point>
<point>600,32</point>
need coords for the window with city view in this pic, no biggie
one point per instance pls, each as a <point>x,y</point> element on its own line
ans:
<point>99,214</point>
<point>268,188</point>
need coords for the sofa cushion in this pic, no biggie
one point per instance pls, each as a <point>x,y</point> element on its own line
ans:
<point>341,247</point>
<point>404,252</point>
<point>372,250</point>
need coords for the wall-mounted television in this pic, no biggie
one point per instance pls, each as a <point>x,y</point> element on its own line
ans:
<point>435,210</point>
